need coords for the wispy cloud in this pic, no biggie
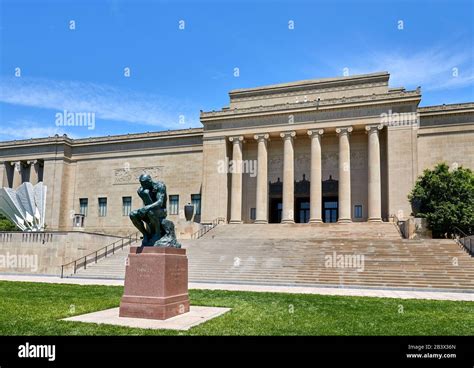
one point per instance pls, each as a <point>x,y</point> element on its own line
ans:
<point>25,129</point>
<point>433,69</point>
<point>107,102</point>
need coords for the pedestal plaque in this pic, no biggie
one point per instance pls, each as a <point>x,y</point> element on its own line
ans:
<point>156,283</point>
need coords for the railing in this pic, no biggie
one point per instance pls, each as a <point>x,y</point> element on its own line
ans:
<point>400,225</point>
<point>207,228</point>
<point>93,257</point>
<point>467,241</point>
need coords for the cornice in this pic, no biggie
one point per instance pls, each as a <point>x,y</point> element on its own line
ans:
<point>47,141</point>
<point>297,91</point>
<point>332,103</point>
<point>105,139</point>
<point>458,108</point>
<point>324,84</point>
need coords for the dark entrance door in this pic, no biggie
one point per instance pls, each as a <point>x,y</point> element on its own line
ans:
<point>330,200</point>
<point>330,209</point>
<point>276,207</point>
<point>302,209</point>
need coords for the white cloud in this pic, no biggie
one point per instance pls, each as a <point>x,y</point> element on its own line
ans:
<point>25,129</point>
<point>108,103</point>
<point>431,69</point>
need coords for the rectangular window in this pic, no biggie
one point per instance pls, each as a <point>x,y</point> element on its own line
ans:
<point>126,206</point>
<point>174,204</point>
<point>253,214</point>
<point>196,202</point>
<point>102,207</point>
<point>83,204</point>
<point>358,211</point>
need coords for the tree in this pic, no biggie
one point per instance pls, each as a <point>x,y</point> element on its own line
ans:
<point>445,198</point>
<point>6,224</point>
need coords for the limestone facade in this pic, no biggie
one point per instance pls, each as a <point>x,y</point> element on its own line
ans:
<point>337,149</point>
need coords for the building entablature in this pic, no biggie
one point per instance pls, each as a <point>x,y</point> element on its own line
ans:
<point>392,98</point>
<point>65,148</point>
<point>300,130</point>
<point>459,108</point>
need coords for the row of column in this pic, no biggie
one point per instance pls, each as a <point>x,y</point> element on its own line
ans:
<point>18,172</point>
<point>374,179</point>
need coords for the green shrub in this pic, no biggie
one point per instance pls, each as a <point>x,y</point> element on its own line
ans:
<point>445,198</point>
<point>6,224</point>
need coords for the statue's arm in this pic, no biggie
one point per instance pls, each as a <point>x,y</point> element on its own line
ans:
<point>160,198</point>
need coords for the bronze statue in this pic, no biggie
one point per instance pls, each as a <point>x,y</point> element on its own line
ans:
<point>151,220</point>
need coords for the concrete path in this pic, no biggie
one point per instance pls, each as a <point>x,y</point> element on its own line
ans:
<point>378,293</point>
<point>194,317</point>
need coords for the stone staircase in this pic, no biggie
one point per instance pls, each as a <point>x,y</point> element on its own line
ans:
<point>311,255</point>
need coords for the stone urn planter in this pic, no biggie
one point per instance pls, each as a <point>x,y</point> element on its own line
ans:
<point>188,211</point>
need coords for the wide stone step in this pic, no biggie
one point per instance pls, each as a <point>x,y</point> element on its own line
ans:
<point>296,254</point>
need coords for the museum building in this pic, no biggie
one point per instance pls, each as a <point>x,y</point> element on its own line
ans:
<point>343,149</point>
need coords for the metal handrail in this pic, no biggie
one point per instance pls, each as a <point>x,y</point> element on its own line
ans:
<point>206,228</point>
<point>467,241</point>
<point>398,223</point>
<point>83,261</point>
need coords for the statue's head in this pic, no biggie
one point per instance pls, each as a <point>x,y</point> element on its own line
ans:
<point>145,181</point>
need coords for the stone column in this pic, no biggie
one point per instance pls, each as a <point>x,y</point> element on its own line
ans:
<point>40,166</point>
<point>236,188</point>
<point>344,175</point>
<point>34,171</point>
<point>374,186</point>
<point>288,216</point>
<point>3,174</point>
<point>262,179</point>
<point>16,172</point>
<point>316,184</point>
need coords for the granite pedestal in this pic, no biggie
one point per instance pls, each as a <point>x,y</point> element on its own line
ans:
<point>156,283</point>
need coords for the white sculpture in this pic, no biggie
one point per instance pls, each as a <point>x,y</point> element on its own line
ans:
<point>25,206</point>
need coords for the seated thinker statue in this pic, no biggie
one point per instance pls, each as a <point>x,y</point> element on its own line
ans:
<point>151,220</point>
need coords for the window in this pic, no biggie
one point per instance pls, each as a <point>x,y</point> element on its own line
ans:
<point>102,207</point>
<point>358,211</point>
<point>126,206</point>
<point>83,204</point>
<point>253,214</point>
<point>174,204</point>
<point>196,202</point>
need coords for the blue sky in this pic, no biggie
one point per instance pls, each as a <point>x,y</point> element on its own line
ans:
<point>176,72</point>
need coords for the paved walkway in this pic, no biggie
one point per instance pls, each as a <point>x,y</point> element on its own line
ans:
<point>378,293</point>
<point>194,317</point>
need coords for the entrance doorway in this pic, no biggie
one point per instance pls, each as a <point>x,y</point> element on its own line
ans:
<point>330,200</point>
<point>302,210</point>
<point>276,207</point>
<point>302,201</point>
<point>330,209</point>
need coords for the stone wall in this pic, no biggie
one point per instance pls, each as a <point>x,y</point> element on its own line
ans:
<point>402,163</point>
<point>117,177</point>
<point>452,146</point>
<point>45,252</point>
<point>215,184</point>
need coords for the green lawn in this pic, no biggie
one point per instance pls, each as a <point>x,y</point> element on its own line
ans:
<point>35,309</point>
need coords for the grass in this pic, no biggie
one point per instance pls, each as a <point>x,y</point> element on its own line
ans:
<point>36,309</point>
